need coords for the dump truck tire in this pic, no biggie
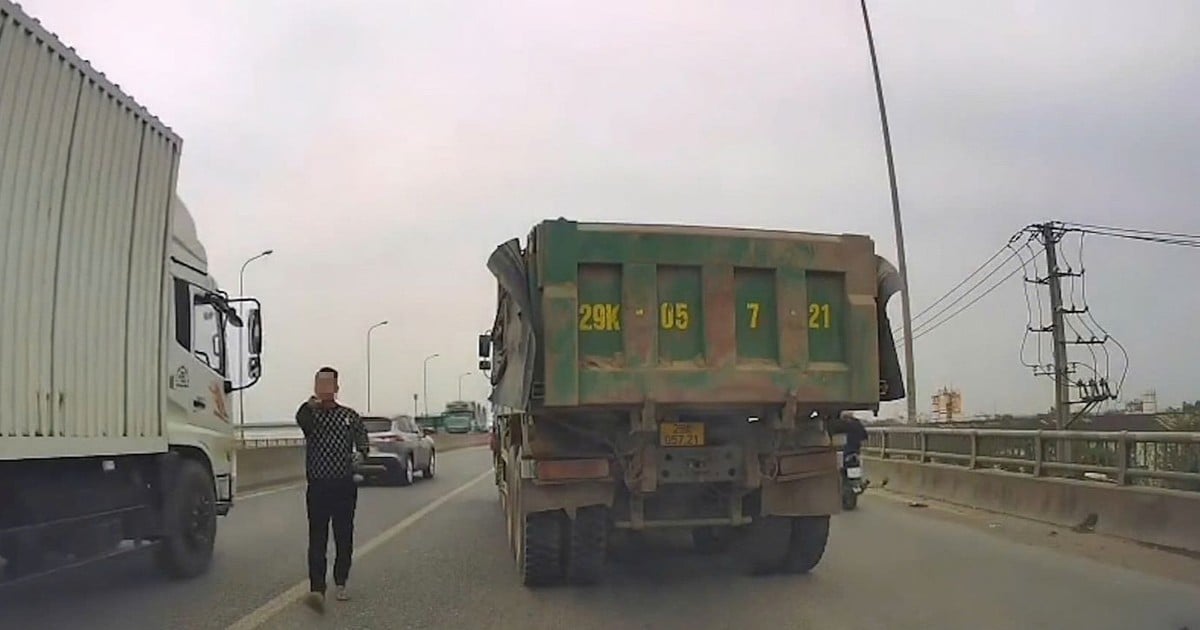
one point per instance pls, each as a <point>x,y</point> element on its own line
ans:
<point>541,548</point>
<point>588,545</point>
<point>807,544</point>
<point>768,544</point>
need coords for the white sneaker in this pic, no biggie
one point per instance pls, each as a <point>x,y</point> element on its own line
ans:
<point>342,595</point>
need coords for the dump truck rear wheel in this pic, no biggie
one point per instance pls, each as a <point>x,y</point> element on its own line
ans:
<point>768,544</point>
<point>807,544</point>
<point>588,545</point>
<point>542,548</point>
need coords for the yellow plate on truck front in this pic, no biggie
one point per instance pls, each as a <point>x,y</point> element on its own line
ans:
<point>681,433</point>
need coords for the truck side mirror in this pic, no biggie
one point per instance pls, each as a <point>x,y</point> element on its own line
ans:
<point>484,365</point>
<point>255,330</point>
<point>485,347</point>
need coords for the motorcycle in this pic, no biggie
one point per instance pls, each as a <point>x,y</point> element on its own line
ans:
<point>853,483</point>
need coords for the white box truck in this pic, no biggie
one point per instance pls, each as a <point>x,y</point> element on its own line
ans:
<point>115,426</point>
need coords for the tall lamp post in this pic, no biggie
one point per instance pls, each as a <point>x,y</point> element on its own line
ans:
<point>425,379</point>
<point>460,378</point>
<point>905,302</point>
<point>242,346</point>
<point>369,331</point>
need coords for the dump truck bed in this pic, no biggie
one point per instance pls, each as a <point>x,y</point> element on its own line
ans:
<point>620,314</point>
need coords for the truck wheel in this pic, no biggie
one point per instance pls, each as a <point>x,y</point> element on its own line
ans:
<point>588,545</point>
<point>541,548</point>
<point>807,544</point>
<point>768,542</point>
<point>190,520</point>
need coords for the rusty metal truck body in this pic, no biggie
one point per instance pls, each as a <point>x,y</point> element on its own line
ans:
<point>672,376</point>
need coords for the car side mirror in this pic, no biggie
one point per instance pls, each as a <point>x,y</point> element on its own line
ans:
<point>429,431</point>
<point>485,365</point>
<point>485,345</point>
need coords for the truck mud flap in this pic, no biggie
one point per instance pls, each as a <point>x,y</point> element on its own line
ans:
<point>815,495</point>
<point>568,497</point>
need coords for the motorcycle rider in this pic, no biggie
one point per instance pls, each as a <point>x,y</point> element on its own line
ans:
<point>850,426</point>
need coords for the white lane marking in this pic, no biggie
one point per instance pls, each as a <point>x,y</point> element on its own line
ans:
<point>276,605</point>
<point>263,493</point>
<point>298,484</point>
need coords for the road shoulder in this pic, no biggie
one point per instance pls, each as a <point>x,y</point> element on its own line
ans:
<point>1170,564</point>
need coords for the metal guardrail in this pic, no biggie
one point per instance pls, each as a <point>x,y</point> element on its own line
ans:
<point>268,442</point>
<point>1166,459</point>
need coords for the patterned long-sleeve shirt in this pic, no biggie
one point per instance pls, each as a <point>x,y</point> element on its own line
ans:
<point>331,436</point>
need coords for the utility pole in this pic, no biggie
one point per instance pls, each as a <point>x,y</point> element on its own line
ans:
<point>1050,236</point>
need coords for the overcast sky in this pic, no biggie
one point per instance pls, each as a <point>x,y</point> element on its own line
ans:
<point>383,148</point>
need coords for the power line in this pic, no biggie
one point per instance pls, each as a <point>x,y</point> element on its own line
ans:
<point>1088,312</point>
<point>1041,311</point>
<point>959,285</point>
<point>1162,240</point>
<point>966,306</point>
<point>1110,228</point>
<point>965,295</point>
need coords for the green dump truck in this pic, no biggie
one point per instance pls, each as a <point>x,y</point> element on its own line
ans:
<point>672,376</point>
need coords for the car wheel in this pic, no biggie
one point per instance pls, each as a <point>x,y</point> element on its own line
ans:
<point>431,469</point>
<point>406,472</point>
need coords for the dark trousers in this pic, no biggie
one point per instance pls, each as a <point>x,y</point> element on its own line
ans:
<point>330,500</point>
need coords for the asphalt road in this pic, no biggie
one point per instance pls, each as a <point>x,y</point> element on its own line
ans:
<point>434,556</point>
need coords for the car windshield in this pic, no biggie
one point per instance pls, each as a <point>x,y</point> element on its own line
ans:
<point>377,425</point>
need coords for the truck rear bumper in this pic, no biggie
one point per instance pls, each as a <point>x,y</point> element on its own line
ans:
<point>683,487</point>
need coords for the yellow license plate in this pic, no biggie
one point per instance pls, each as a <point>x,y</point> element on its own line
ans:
<point>681,433</point>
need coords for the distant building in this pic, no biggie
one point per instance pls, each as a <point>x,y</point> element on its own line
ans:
<point>1146,403</point>
<point>947,405</point>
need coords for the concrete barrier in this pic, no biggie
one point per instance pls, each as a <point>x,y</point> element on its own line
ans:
<point>262,464</point>
<point>269,465</point>
<point>1166,518</point>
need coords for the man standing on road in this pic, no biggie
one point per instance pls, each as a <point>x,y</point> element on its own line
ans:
<point>335,439</point>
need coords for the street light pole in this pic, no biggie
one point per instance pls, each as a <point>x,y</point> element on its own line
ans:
<point>905,302</point>
<point>425,380</point>
<point>460,378</point>
<point>242,346</point>
<point>369,331</point>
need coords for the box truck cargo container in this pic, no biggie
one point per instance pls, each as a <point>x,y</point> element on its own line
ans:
<point>114,373</point>
<point>672,376</point>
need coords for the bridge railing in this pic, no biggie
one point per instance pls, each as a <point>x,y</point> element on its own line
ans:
<point>1165,459</point>
<point>267,442</point>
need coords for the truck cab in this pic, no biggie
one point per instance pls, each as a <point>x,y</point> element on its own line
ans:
<point>216,350</point>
